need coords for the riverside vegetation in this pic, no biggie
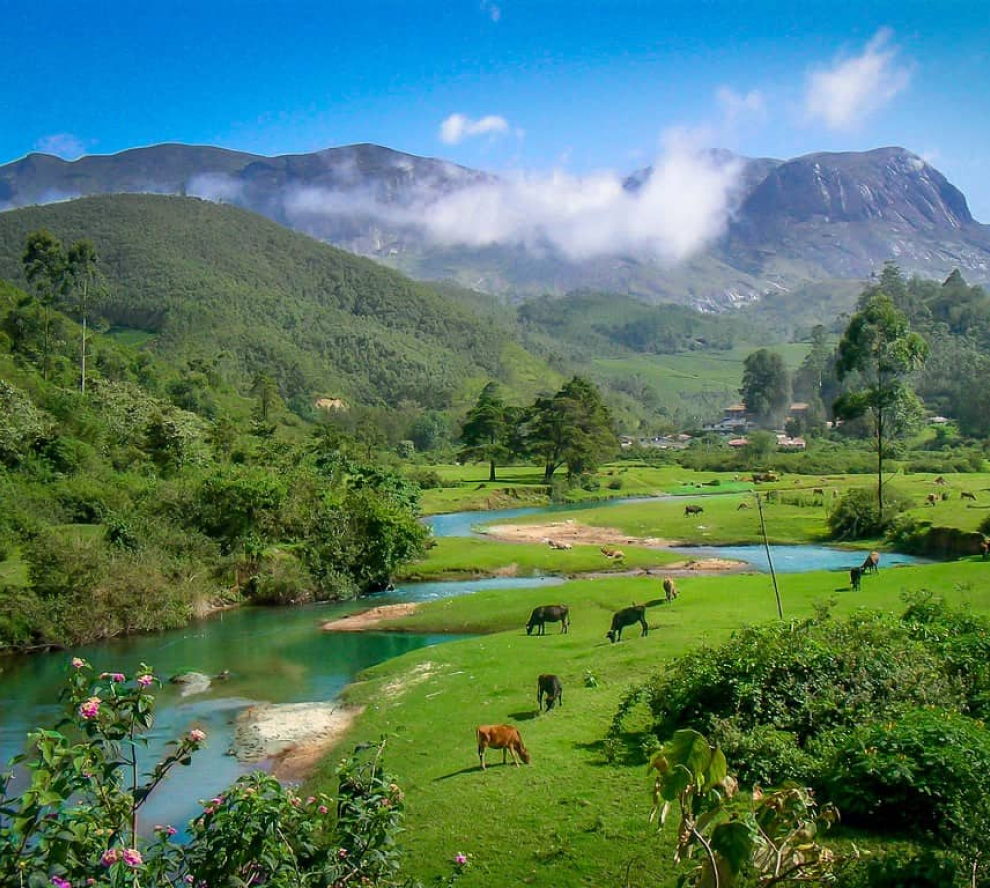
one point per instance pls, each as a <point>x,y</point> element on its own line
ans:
<point>170,488</point>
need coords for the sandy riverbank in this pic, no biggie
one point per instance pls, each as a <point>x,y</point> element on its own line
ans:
<point>295,736</point>
<point>368,619</point>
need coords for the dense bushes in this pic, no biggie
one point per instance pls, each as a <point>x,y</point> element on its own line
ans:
<point>882,714</point>
<point>857,514</point>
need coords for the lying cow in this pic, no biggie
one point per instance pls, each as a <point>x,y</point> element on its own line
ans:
<point>504,737</point>
<point>669,589</point>
<point>550,686</point>
<point>692,510</point>
<point>626,617</point>
<point>872,563</point>
<point>548,613</point>
<point>557,544</point>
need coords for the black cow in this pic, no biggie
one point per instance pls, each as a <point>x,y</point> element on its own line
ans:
<point>548,613</point>
<point>550,685</point>
<point>856,576</point>
<point>626,617</point>
<point>693,510</point>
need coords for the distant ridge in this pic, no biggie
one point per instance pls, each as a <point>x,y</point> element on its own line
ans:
<point>814,218</point>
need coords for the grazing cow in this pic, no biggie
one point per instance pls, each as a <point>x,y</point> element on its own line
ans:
<point>693,510</point>
<point>940,480</point>
<point>669,589</point>
<point>626,617</point>
<point>550,685</point>
<point>856,577</point>
<point>818,491</point>
<point>742,505</point>
<point>931,499</point>
<point>548,613</point>
<point>504,737</point>
<point>872,563</point>
<point>967,494</point>
<point>613,553</point>
<point>557,544</point>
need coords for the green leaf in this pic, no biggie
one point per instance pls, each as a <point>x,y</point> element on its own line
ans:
<point>734,842</point>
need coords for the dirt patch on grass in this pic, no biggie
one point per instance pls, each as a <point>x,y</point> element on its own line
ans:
<point>368,619</point>
<point>417,675</point>
<point>573,533</point>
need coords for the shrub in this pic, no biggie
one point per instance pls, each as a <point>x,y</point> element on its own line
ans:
<point>75,821</point>
<point>856,515</point>
<point>927,772</point>
<point>282,579</point>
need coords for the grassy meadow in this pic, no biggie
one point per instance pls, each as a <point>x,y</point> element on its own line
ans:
<point>569,818</point>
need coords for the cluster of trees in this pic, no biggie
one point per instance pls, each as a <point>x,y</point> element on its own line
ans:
<point>572,428</point>
<point>158,491</point>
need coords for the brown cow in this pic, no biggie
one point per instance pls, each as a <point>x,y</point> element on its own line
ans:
<point>669,589</point>
<point>550,685</point>
<point>613,553</point>
<point>872,563</point>
<point>693,510</point>
<point>818,491</point>
<point>940,480</point>
<point>742,505</point>
<point>504,737</point>
<point>558,544</point>
<point>967,494</point>
<point>931,499</point>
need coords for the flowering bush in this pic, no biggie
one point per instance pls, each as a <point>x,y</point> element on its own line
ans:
<point>75,824</point>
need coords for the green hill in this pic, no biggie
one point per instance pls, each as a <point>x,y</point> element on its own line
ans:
<point>202,280</point>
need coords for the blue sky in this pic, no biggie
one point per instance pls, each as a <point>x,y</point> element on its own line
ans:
<point>537,86</point>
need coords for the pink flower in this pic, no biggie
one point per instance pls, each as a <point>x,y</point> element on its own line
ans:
<point>310,800</point>
<point>460,859</point>
<point>78,662</point>
<point>60,883</point>
<point>110,857</point>
<point>132,857</point>
<point>91,708</point>
<point>113,676</point>
<point>342,853</point>
<point>187,879</point>
<point>322,809</point>
<point>168,830</point>
<point>145,680</point>
<point>197,736</point>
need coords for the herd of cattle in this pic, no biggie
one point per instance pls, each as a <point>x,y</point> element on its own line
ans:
<point>549,690</point>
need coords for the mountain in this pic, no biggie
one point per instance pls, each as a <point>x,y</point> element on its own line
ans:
<point>816,218</point>
<point>207,281</point>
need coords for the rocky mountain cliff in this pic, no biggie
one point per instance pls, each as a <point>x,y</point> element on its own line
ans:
<point>812,218</point>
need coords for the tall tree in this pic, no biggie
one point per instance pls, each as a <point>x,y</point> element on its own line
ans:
<point>486,429</point>
<point>766,387</point>
<point>880,347</point>
<point>47,271</point>
<point>81,266</point>
<point>573,428</point>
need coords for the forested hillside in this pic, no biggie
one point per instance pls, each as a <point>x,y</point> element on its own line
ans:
<point>204,280</point>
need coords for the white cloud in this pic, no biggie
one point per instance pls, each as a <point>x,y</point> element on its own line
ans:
<point>738,108</point>
<point>493,10</point>
<point>677,211</point>
<point>64,145</point>
<point>458,127</point>
<point>853,88</point>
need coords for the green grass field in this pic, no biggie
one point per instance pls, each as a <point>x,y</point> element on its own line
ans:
<point>570,818</point>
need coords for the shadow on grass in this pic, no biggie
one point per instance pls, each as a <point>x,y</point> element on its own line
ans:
<point>526,715</point>
<point>474,769</point>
